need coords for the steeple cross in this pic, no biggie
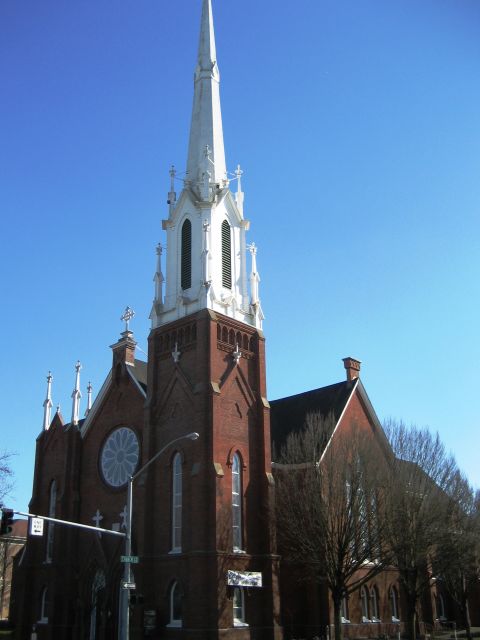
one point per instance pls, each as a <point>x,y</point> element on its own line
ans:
<point>128,314</point>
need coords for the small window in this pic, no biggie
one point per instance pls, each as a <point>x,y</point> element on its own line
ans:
<point>237,503</point>
<point>239,608</point>
<point>177,503</point>
<point>226,256</point>
<point>186,260</point>
<point>51,525</point>
<point>175,606</point>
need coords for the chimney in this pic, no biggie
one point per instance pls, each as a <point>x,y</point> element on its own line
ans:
<point>352,367</point>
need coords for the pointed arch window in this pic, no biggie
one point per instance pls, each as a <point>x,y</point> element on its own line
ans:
<point>175,605</point>
<point>237,503</point>
<point>364,603</point>
<point>441,607</point>
<point>394,604</point>
<point>344,610</point>
<point>51,526</point>
<point>374,608</point>
<point>186,255</point>
<point>43,606</point>
<point>226,255</point>
<point>177,503</point>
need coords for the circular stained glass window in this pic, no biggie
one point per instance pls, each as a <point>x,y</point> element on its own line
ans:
<point>119,457</point>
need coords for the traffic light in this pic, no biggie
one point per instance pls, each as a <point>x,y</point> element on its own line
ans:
<point>7,522</point>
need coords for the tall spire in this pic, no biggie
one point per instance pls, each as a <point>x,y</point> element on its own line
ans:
<point>206,153</point>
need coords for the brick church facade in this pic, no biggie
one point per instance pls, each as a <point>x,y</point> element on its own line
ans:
<point>203,513</point>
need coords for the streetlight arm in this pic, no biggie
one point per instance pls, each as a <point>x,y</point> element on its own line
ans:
<point>191,436</point>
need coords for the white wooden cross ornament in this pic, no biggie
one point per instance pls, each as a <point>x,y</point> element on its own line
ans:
<point>176,353</point>
<point>97,518</point>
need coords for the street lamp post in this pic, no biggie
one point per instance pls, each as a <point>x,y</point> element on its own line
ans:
<point>124,629</point>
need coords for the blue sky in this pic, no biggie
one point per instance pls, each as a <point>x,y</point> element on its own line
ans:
<point>356,123</point>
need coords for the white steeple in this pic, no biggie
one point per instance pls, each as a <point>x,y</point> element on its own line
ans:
<point>47,405</point>
<point>76,395</point>
<point>206,245</point>
<point>206,127</point>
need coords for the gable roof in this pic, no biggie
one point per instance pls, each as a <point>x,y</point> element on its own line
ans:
<point>138,373</point>
<point>289,414</point>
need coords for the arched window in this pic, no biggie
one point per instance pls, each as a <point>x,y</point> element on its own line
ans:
<point>177,503</point>
<point>393,596</point>
<point>374,609</point>
<point>51,526</point>
<point>226,256</point>
<point>97,585</point>
<point>237,503</point>
<point>364,603</point>
<point>44,606</point>
<point>239,608</point>
<point>175,602</point>
<point>186,261</point>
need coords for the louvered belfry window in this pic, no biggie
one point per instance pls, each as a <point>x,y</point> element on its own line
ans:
<point>226,256</point>
<point>186,266</point>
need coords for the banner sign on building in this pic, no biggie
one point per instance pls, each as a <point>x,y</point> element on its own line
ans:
<point>244,578</point>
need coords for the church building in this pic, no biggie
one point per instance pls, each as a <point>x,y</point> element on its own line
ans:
<point>203,556</point>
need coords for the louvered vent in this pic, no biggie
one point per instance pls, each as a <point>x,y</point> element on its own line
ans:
<point>186,267</point>
<point>226,256</point>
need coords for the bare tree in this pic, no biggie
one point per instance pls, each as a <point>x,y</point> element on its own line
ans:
<point>6,475</point>
<point>459,551</point>
<point>416,508</point>
<point>326,499</point>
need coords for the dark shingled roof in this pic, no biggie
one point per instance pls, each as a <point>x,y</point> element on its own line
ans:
<point>139,371</point>
<point>289,414</point>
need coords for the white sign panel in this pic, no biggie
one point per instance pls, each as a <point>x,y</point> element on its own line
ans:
<point>36,526</point>
<point>244,578</point>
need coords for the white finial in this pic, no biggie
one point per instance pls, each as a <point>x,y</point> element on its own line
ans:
<point>58,409</point>
<point>89,398</point>
<point>254,277</point>
<point>76,395</point>
<point>172,195</point>
<point>237,354</point>
<point>47,405</point>
<point>158,277</point>
<point>176,354</point>
<point>128,314</point>
<point>239,196</point>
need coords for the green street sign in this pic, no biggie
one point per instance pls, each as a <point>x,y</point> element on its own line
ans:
<point>130,559</point>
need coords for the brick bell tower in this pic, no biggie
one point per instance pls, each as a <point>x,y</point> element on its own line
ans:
<point>208,532</point>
